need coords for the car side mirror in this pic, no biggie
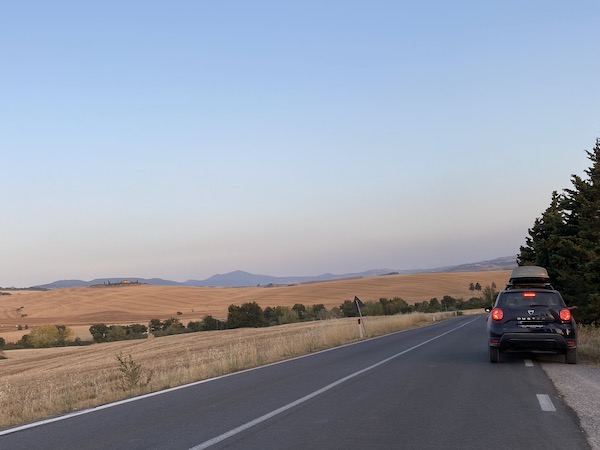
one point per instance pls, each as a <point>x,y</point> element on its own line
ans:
<point>488,308</point>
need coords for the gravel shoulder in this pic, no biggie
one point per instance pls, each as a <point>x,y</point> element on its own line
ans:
<point>579,385</point>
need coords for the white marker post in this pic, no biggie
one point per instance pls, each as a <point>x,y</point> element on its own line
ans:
<point>361,325</point>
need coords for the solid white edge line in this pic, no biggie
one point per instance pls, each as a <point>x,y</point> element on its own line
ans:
<point>284,408</point>
<point>183,386</point>
<point>545,402</point>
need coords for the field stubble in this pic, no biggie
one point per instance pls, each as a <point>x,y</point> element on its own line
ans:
<point>38,383</point>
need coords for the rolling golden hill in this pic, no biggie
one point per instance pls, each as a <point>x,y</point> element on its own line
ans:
<point>123,304</point>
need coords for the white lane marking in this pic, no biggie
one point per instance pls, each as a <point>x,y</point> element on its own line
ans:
<point>176,388</point>
<point>545,403</point>
<point>284,408</point>
<point>528,363</point>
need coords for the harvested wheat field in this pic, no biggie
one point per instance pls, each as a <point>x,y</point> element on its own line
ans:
<point>80,307</point>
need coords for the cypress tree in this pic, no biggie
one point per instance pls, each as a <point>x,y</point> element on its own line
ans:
<point>566,240</point>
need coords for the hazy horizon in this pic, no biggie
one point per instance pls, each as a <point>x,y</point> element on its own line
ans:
<point>116,277</point>
<point>186,139</point>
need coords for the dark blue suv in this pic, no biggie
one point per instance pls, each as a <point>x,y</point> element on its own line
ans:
<point>531,316</point>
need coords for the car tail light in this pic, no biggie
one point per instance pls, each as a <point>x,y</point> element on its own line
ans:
<point>498,314</point>
<point>565,315</point>
<point>529,294</point>
<point>571,342</point>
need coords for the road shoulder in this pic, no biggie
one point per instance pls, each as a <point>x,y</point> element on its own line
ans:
<point>579,385</point>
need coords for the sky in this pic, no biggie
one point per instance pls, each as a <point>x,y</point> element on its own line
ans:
<point>182,139</point>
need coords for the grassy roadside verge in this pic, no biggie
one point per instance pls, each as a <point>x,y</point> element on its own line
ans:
<point>588,344</point>
<point>45,382</point>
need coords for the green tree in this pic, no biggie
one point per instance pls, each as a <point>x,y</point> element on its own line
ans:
<point>566,241</point>
<point>246,315</point>
<point>543,240</point>
<point>448,302</point>
<point>372,308</point>
<point>138,328</point>
<point>270,316</point>
<point>210,323</point>
<point>155,325</point>
<point>285,314</point>
<point>489,295</point>
<point>300,310</point>
<point>316,312</point>
<point>48,336</point>
<point>348,309</point>
<point>194,326</point>
<point>116,333</point>
<point>390,307</point>
<point>434,305</point>
<point>99,332</point>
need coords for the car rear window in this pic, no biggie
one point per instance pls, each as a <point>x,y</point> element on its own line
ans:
<point>524,299</point>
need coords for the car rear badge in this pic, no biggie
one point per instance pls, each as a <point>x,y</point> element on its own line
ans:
<point>530,312</point>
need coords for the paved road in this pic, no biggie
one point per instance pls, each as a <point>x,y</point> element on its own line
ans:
<point>428,388</point>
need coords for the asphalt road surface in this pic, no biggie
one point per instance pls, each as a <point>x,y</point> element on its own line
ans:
<point>428,388</point>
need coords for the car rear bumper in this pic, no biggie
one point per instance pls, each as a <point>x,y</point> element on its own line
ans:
<point>543,342</point>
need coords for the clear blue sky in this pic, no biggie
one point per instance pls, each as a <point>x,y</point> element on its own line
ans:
<point>181,139</point>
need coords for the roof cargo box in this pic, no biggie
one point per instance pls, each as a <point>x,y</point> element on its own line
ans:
<point>529,272</point>
<point>529,276</point>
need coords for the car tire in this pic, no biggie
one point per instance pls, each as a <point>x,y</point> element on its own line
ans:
<point>571,356</point>
<point>494,355</point>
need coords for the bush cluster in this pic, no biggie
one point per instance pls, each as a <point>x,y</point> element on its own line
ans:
<point>103,333</point>
<point>45,336</point>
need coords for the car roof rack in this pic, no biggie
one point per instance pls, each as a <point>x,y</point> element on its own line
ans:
<point>527,277</point>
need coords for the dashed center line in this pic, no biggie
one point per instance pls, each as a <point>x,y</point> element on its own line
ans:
<point>528,363</point>
<point>252,423</point>
<point>545,403</point>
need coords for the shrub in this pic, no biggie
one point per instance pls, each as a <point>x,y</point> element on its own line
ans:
<point>48,336</point>
<point>131,373</point>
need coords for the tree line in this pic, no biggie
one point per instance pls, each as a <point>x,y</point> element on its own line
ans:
<point>566,241</point>
<point>252,315</point>
<point>246,315</point>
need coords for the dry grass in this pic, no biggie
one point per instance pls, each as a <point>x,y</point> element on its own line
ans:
<point>588,344</point>
<point>41,382</point>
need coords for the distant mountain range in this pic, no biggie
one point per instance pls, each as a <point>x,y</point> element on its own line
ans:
<point>240,278</point>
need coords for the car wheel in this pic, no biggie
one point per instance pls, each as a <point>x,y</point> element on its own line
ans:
<point>494,354</point>
<point>571,356</point>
